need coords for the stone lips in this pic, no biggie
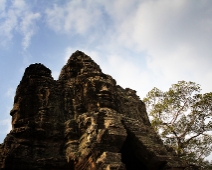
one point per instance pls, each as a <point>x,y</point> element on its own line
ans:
<point>81,121</point>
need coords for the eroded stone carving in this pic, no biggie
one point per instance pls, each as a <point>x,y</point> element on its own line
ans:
<point>83,121</point>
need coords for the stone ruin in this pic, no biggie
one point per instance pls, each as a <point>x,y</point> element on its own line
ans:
<point>82,121</point>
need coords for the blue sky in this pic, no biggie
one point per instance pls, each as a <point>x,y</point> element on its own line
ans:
<point>141,43</point>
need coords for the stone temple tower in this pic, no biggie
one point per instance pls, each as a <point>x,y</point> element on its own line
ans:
<point>82,121</point>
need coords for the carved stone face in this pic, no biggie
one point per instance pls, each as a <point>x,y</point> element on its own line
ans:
<point>98,92</point>
<point>15,113</point>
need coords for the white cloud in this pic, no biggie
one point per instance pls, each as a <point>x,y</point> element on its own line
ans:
<point>126,71</point>
<point>27,27</point>
<point>75,17</point>
<point>17,17</point>
<point>7,26</point>
<point>2,5</point>
<point>19,4</point>
<point>176,35</point>
<point>9,21</point>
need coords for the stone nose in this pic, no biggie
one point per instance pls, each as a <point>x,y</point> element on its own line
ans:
<point>104,88</point>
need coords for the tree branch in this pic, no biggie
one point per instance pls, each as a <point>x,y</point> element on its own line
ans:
<point>187,141</point>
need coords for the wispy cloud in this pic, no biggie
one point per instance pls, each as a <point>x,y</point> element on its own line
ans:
<point>172,32</point>
<point>75,17</point>
<point>8,23</point>
<point>176,36</point>
<point>17,18</point>
<point>2,6</point>
<point>27,27</point>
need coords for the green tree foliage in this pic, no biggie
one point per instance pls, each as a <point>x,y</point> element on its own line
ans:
<point>182,117</point>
